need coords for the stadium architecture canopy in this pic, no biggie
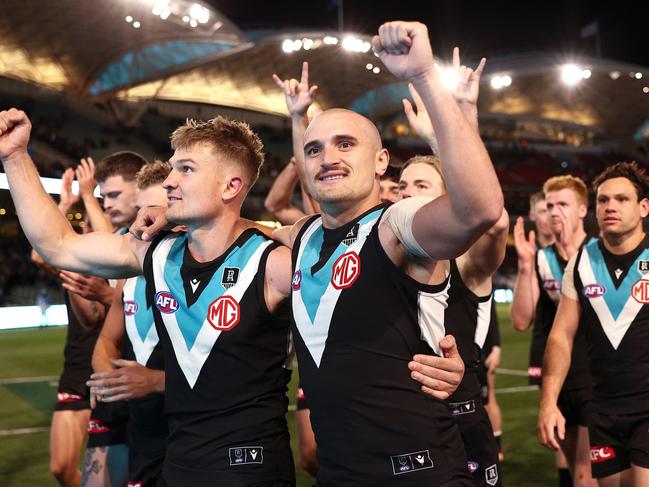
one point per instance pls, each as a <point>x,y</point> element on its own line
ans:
<point>182,51</point>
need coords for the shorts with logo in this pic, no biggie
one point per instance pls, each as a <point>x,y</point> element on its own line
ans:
<point>617,441</point>
<point>301,399</point>
<point>144,468</point>
<point>72,393</point>
<point>479,442</point>
<point>108,424</point>
<point>574,406</point>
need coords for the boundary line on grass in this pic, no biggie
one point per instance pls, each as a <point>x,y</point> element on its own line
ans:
<point>24,431</point>
<point>27,380</point>
<point>511,390</point>
<point>520,373</point>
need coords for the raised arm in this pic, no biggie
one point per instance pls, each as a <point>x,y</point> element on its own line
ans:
<point>85,173</point>
<point>526,289</point>
<point>48,231</point>
<point>486,255</point>
<point>445,227</point>
<point>278,201</point>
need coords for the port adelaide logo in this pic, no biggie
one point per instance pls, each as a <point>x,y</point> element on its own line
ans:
<point>352,235</point>
<point>230,277</point>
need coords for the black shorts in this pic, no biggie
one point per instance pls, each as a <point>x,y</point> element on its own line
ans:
<point>144,468</point>
<point>617,441</point>
<point>72,393</point>
<point>479,442</point>
<point>484,383</point>
<point>574,406</point>
<point>108,424</point>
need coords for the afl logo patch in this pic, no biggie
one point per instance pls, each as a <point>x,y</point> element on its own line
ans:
<point>473,466</point>
<point>552,285</point>
<point>224,313</point>
<point>594,291</point>
<point>166,302</point>
<point>297,280</point>
<point>130,308</point>
<point>640,291</point>
<point>346,270</point>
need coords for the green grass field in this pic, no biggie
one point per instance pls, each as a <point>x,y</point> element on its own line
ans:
<point>39,353</point>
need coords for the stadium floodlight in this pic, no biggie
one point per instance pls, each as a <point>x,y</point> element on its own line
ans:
<point>500,81</point>
<point>186,18</point>
<point>193,23</point>
<point>376,70</point>
<point>287,46</point>
<point>450,77</point>
<point>614,75</point>
<point>586,73</point>
<point>164,15</point>
<point>129,19</point>
<point>571,74</point>
<point>645,90</point>
<point>369,66</point>
<point>307,43</point>
<point>355,44</point>
<point>330,40</point>
<point>136,25</point>
<point>638,75</point>
<point>199,13</point>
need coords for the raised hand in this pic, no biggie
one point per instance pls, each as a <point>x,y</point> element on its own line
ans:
<point>299,96</point>
<point>525,247</point>
<point>467,89</point>
<point>15,128</point>
<point>404,49</point>
<point>85,173</point>
<point>419,121</point>
<point>67,199</point>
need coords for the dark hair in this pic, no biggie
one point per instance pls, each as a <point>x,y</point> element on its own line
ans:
<point>124,163</point>
<point>390,174</point>
<point>630,171</point>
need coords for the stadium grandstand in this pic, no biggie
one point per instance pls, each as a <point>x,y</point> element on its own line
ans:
<point>96,77</point>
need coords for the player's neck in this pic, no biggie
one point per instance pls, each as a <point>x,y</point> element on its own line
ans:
<point>620,244</point>
<point>336,215</point>
<point>545,239</point>
<point>211,240</point>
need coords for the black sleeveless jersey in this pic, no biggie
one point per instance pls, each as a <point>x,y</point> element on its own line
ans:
<point>224,356</point>
<point>613,292</point>
<point>147,426</point>
<point>357,322</point>
<point>79,345</point>
<point>467,318</point>
<point>549,271</point>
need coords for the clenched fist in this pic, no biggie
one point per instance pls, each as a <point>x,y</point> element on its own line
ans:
<point>15,128</point>
<point>404,49</point>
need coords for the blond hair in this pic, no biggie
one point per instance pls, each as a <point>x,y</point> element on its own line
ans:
<point>577,185</point>
<point>231,139</point>
<point>153,173</point>
<point>431,161</point>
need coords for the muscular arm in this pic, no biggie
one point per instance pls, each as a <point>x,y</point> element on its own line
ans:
<point>111,336</point>
<point>447,226</point>
<point>486,255</point>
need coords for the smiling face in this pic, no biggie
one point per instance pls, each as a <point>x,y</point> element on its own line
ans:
<point>119,199</point>
<point>343,159</point>
<point>421,179</point>
<point>201,186</point>
<point>619,211</point>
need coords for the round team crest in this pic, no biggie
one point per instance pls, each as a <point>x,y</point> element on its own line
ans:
<point>297,280</point>
<point>346,270</point>
<point>130,308</point>
<point>640,291</point>
<point>224,313</point>
<point>166,302</point>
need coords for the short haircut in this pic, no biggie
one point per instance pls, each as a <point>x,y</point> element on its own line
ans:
<point>231,139</point>
<point>124,163</point>
<point>430,160</point>
<point>153,173</point>
<point>567,181</point>
<point>630,171</point>
<point>535,198</point>
<point>390,174</point>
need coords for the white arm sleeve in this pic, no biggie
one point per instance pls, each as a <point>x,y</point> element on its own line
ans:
<point>399,218</point>
<point>568,283</point>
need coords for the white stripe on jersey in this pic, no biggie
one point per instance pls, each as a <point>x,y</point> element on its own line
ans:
<point>484,320</point>
<point>614,329</point>
<point>191,361</point>
<point>545,271</point>
<point>141,348</point>
<point>430,311</point>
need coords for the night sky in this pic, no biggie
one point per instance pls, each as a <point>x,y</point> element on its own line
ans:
<point>480,28</point>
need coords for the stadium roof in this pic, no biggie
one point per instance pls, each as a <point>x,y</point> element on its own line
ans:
<point>96,46</point>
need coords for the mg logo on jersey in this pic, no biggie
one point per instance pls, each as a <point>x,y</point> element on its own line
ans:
<point>552,285</point>
<point>640,291</point>
<point>224,313</point>
<point>297,280</point>
<point>594,291</point>
<point>346,270</point>
<point>601,454</point>
<point>166,302</point>
<point>130,308</point>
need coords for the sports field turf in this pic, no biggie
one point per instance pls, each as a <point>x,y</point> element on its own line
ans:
<point>26,406</point>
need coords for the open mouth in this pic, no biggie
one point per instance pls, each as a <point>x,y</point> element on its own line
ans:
<point>330,177</point>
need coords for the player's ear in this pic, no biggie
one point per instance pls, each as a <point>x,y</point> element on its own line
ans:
<point>644,207</point>
<point>382,161</point>
<point>583,211</point>
<point>233,188</point>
